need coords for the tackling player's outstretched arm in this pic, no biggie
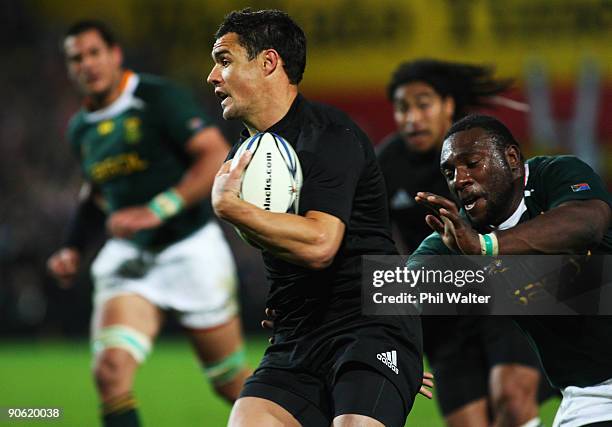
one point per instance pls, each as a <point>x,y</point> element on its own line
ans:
<point>583,224</point>
<point>310,241</point>
<point>571,227</point>
<point>573,221</point>
<point>572,201</point>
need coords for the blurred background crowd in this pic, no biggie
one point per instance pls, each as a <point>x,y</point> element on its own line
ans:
<point>558,52</point>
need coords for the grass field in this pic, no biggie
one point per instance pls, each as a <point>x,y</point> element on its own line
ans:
<point>170,387</point>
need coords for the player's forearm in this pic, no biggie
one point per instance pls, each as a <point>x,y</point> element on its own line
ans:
<point>198,180</point>
<point>572,228</point>
<point>293,238</point>
<point>209,150</point>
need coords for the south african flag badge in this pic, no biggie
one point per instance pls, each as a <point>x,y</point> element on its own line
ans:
<point>583,186</point>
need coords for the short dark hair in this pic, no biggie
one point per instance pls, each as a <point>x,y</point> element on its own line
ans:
<point>500,134</point>
<point>469,85</point>
<point>102,28</point>
<point>269,29</point>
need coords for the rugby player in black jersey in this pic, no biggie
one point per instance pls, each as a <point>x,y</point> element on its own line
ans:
<point>325,365</point>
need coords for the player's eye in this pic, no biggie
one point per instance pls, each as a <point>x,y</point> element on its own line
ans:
<point>423,105</point>
<point>473,163</point>
<point>448,173</point>
<point>401,108</point>
<point>224,62</point>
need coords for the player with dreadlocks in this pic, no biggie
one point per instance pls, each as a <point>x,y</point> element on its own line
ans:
<point>486,374</point>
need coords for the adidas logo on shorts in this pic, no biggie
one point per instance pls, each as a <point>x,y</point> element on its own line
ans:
<point>389,358</point>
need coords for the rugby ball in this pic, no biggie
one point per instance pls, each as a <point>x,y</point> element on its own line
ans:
<point>273,178</point>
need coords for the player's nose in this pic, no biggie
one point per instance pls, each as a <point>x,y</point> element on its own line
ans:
<point>462,179</point>
<point>87,62</point>
<point>412,116</point>
<point>214,77</point>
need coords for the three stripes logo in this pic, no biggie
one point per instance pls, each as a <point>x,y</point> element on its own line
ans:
<point>389,358</point>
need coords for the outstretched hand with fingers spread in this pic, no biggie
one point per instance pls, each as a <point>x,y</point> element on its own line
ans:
<point>457,234</point>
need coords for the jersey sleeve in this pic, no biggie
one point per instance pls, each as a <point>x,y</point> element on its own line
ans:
<point>567,178</point>
<point>73,136</point>
<point>382,157</point>
<point>332,174</point>
<point>181,116</point>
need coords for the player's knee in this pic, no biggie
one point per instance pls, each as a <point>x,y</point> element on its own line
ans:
<point>118,350</point>
<point>255,412</point>
<point>355,420</point>
<point>516,400</point>
<point>229,391</point>
<point>113,371</point>
<point>227,375</point>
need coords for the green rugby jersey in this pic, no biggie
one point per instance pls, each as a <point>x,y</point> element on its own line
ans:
<point>574,350</point>
<point>134,149</point>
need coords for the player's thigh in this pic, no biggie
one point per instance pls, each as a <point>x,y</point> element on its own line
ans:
<point>217,343</point>
<point>355,420</point>
<point>363,396</point>
<point>131,310</point>
<point>256,412</point>
<point>301,394</point>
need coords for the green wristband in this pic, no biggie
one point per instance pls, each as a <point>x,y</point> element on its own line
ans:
<point>489,244</point>
<point>488,241</point>
<point>167,204</point>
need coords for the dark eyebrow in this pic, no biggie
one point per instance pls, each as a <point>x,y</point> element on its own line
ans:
<point>423,95</point>
<point>419,97</point>
<point>462,156</point>
<point>218,53</point>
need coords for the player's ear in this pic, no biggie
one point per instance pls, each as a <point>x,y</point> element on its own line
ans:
<point>117,54</point>
<point>271,60</point>
<point>513,156</point>
<point>448,105</point>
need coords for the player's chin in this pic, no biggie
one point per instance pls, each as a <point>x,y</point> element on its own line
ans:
<point>88,89</point>
<point>478,217</point>
<point>97,87</point>
<point>229,113</point>
<point>421,143</point>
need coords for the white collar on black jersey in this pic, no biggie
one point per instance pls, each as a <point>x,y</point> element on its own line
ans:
<point>520,210</point>
<point>124,102</point>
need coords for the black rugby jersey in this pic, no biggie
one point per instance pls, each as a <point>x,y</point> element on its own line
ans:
<point>407,172</point>
<point>341,178</point>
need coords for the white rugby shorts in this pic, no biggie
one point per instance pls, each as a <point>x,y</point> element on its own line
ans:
<point>195,277</point>
<point>585,405</point>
